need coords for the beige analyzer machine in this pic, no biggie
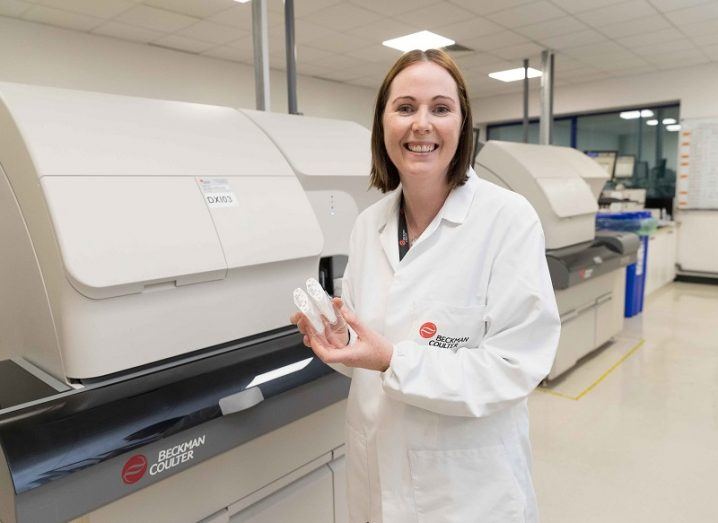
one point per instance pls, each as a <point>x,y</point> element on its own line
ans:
<point>149,253</point>
<point>587,271</point>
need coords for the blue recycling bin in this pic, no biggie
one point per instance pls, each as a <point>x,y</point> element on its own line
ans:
<point>643,224</point>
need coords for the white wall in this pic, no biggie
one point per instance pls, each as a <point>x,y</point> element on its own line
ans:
<point>39,54</point>
<point>695,89</point>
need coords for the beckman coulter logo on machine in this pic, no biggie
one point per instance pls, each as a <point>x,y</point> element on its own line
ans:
<point>134,469</point>
<point>167,459</point>
<point>429,330</point>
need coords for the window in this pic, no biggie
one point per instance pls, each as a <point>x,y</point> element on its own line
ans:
<point>644,139</point>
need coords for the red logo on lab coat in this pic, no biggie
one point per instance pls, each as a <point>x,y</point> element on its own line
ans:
<point>134,469</point>
<point>427,330</point>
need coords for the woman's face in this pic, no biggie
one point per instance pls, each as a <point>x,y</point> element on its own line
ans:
<point>422,121</point>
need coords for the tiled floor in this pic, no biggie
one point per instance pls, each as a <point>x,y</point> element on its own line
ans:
<point>642,445</point>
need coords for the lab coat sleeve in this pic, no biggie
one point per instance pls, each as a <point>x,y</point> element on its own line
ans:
<point>517,350</point>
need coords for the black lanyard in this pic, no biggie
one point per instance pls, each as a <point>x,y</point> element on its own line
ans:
<point>404,244</point>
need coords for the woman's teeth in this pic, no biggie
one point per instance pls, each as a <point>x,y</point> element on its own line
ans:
<point>421,148</point>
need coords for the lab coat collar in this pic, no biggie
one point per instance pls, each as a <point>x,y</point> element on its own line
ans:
<point>457,204</point>
<point>455,208</point>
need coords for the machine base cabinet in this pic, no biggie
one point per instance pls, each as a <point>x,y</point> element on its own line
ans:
<point>293,474</point>
<point>310,499</point>
<point>590,317</point>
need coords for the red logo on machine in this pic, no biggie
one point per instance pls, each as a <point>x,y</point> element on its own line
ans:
<point>427,330</point>
<point>134,469</point>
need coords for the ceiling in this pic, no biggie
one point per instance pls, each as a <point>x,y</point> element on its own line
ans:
<point>341,40</point>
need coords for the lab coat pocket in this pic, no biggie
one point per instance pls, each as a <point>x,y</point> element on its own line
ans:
<point>445,326</point>
<point>466,485</point>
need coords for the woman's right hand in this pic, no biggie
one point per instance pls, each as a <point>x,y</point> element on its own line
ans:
<point>336,336</point>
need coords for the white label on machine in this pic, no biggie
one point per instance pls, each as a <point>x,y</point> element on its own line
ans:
<point>217,192</point>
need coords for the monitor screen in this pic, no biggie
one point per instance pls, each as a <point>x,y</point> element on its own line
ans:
<point>606,159</point>
<point>624,166</point>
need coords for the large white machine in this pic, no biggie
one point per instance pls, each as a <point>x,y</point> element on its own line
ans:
<point>588,274</point>
<point>150,250</point>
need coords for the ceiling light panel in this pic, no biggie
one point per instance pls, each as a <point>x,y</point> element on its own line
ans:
<point>422,40</point>
<point>512,75</point>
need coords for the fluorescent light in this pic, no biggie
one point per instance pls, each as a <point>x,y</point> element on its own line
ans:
<point>422,40</point>
<point>652,122</point>
<point>630,115</point>
<point>511,75</point>
<point>243,1</point>
<point>673,127</point>
<point>278,373</point>
<point>669,121</point>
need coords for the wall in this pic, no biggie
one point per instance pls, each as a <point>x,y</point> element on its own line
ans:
<point>39,54</point>
<point>693,87</point>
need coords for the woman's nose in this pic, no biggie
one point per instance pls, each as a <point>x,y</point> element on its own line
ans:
<point>421,123</point>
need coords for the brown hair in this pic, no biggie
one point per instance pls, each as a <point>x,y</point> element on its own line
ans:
<point>384,174</point>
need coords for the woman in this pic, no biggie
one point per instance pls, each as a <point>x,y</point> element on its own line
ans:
<point>451,314</point>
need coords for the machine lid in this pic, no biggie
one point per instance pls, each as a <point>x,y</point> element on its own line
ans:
<point>567,196</point>
<point>82,133</point>
<point>318,146</point>
<point>558,172</point>
<point>118,235</point>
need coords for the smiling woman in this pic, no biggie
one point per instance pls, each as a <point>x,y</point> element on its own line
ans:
<point>399,102</point>
<point>450,315</point>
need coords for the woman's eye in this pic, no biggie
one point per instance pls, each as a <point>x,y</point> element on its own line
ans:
<point>441,109</point>
<point>405,108</point>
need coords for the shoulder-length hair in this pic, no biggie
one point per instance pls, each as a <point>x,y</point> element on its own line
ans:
<point>384,174</point>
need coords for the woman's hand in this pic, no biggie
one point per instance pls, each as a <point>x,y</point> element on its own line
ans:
<point>370,350</point>
<point>336,335</point>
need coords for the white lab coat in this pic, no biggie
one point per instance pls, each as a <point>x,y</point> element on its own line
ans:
<point>442,435</point>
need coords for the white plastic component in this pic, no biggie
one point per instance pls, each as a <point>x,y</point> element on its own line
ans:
<point>305,305</point>
<point>561,183</point>
<point>321,300</point>
<point>123,257</point>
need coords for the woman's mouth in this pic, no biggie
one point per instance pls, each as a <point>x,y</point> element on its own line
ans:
<point>421,147</point>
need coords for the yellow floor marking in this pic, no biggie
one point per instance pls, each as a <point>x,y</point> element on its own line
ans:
<point>599,380</point>
<point>554,393</point>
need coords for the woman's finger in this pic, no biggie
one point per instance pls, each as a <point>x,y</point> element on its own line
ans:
<point>319,345</point>
<point>336,335</point>
<point>353,321</point>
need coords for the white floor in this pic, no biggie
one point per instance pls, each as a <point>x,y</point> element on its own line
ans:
<point>641,445</point>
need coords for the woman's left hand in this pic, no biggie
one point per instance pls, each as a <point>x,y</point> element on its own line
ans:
<point>370,350</point>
